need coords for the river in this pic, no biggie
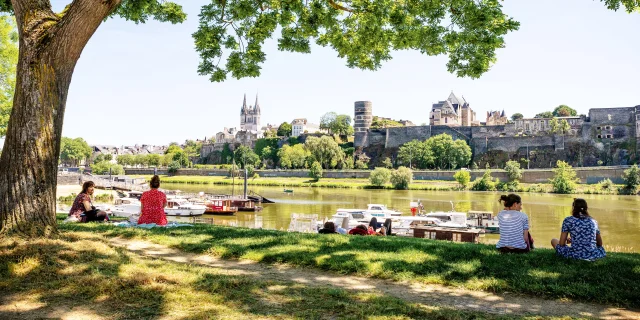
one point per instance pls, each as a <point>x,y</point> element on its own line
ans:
<point>617,216</point>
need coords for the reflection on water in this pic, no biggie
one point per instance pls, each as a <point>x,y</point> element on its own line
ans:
<point>618,216</point>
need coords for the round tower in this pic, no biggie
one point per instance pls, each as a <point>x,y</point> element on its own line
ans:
<point>363,117</point>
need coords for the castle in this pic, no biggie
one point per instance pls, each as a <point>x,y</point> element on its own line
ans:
<point>249,116</point>
<point>610,135</point>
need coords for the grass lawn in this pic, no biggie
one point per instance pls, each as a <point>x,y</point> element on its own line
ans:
<point>78,275</point>
<point>612,280</point>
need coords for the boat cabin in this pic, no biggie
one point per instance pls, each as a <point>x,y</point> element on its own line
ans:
<point>221,206</point>
<point>450,234</point>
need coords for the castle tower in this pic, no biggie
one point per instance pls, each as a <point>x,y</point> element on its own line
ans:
<point>249,116</point>
<point>363,117</point>
<point>243,113</point>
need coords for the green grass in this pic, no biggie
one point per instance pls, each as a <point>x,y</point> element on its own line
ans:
<point>79,272</point>
<point>613,280</point>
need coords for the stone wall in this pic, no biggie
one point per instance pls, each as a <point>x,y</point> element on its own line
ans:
<point>586,175</point>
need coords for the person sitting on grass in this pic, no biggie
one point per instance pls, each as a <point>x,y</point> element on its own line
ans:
<point>381,232</point>
<point>329,227</point>
<point>360,230</point>
<point>514,226</point>
<point>83,209</point>
<point>152,204</point>
<point>585,241</point>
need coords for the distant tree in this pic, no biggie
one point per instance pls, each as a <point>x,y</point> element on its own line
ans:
<point>108,157</point>
<point>415,153</point>
<point>192,148</point>
<point>379,122</point>
<point>8,62</point>
<point>387,163</point>
<point>315,172</point>
<point>181,158</point>
<point>516,116</point>
<point>546,115</point>
<point>463,177</point>
<point>125,160</point>
<point>142,160</point>
<point>103,167</point>
<point>266,154</point>
<point>284,130</point>
<point>379,176</point>
<point>631,178</point>
<point>98,158</point>
<point>513,170</point>
<point>271,133</point>
<point>173,148</point>
<point>226,155</point>
<point>401,178</point>
<point>342,126</point>
<point>564,179</point>
<point>325,150</point>
<point>154,160</point>
<point>244,156</point>
<point>362,161</point>
<point>486,183</point>
<point>564,111</point>
<point>327,120</point>
<point>73,151</point>
<point>559,127</point>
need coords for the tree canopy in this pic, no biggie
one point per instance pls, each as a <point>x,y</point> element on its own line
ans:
<point>564,111</point>
<point>72,151</point>
<point>8,62</point>
<point>284,130</point>
<point>441,152</point>
<point>546,114</point>
<point>516,116</point>
<point>339,124</point>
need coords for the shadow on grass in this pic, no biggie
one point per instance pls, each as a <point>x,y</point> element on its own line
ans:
<point>613,280</point>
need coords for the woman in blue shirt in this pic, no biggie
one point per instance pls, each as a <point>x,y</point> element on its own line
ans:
<point>585,240</point>
<point>514,226</point>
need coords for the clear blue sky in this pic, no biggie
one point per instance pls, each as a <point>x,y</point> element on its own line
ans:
<point>139,84</point>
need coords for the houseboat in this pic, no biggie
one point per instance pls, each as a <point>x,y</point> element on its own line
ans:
<point>222,207</point>
<point>246,205</point>
<point>483,220</point>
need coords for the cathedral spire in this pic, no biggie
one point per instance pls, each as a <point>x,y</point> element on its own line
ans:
<point>244,105</point>
<point>256,107</point>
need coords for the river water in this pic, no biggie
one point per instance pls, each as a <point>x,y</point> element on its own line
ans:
<point>617,216</point>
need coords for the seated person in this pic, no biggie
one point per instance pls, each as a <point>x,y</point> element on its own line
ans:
<point>329,227</point>
<point>514,226</point>
<point>83,209</point>
<point>152,204</point>
<point>360,230</point>
<point>382,231</point>
<point>586,242</point>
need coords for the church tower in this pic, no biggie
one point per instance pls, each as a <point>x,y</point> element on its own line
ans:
<point>250,116</point>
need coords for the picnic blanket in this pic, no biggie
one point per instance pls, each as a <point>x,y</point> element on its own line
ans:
<point>128,224</point>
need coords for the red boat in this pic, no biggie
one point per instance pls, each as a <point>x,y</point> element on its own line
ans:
<point>222,207</point>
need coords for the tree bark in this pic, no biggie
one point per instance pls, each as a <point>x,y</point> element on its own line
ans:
<point>50,46</point>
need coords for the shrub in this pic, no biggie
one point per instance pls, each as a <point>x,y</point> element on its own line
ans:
<point>250,170</point>
<point>474,166</point>
<point>537,188</point>
<point>564,179</point>
<point>463,177</point>
<point>315,172</point>
<point>513,170</point>
<point>401,178</point>
<point>485,183</point>
<point>605,186</point>
<point>173,167</point>
<point>631,178</point>
<point>380,176</point>
<point>387,163</point>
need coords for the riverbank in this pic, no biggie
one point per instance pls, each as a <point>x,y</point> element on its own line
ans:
<point>360,183</point>
<point>470,266</point>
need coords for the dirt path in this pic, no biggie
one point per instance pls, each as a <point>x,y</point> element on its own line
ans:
<point>430,295</point>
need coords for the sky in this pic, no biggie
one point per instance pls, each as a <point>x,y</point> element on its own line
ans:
<point>138,84</point>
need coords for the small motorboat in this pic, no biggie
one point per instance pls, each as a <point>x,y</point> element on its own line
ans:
<point>288,191</point>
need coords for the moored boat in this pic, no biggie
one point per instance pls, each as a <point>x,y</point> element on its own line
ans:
<point>222,207</point>
<point>484,220</point>
<point>246,205</point>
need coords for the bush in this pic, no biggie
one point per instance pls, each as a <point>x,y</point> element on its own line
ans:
<point>605,186</point>
<point>631,178</point>
<point>401,178</point>
<point>380,176</point>
<point>463,177</point>
<point>315,172</point>
<point>513,170</point>
<point>387,163</point>
<point>485,183</point>
<point>250,170</point>
<point>509,186</point>
<point>103,168</point>
<point>564,179</point>
<point>173,167</point>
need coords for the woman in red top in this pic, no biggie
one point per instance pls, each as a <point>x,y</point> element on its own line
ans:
<point>152,205</point>
<point>83,209</point>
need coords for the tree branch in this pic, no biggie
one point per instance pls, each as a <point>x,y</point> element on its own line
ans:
<point>339,7</point>
<point>78,24</point>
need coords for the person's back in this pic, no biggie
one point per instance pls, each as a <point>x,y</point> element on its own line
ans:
<point>514,226</point>
<point>581,231</point>
<point>153,203</point>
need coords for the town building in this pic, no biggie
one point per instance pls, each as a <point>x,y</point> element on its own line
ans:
<point>496,118</point>
<point>302,126</point>
<point>250,116</point>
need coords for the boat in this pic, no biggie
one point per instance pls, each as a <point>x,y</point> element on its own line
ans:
<point>183,208</point>
<point>380,211</point>
<point>246,205</point>
<point>484,220</point>
<point>221,207</point>
<point>288,191</point>
<point>449,219</point>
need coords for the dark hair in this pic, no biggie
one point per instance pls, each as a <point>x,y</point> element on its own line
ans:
<point>87,185</point>
<point>362,227</point>
<point>373,223</point>
<point>509,200</point>
<point>155,182</point>
<point>329,225</point>
<point>579,209</point>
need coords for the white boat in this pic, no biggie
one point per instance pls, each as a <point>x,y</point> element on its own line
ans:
<point>484,220</point>
<point>183,208</point>
<point>449,219</point>
<point>127,207</point>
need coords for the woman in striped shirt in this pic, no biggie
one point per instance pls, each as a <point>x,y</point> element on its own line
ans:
<point>514,226</point>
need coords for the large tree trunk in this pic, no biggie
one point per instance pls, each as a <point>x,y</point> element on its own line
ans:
<point>50,46</point>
